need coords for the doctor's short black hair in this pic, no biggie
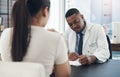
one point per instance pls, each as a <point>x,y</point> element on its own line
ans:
<point>71,12</point>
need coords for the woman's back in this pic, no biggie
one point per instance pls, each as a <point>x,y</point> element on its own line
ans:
<point>45,47</point>
<point>27,40</point>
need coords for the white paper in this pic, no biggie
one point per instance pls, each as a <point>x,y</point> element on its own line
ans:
<point>75,63</point>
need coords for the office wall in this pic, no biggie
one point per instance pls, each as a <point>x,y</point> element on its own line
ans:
<point>96,11</point>
<point>82,5</point>
<point>101,11</point>
<point>116,10</point>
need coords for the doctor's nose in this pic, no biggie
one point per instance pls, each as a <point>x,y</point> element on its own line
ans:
<point>73,25</point>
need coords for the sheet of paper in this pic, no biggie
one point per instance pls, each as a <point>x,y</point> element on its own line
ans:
<point>75,63</point>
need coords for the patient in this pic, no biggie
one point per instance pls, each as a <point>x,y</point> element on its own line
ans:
<point>28,41</point>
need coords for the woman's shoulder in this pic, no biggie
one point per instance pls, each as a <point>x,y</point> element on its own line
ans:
<point>54,34</point>
<point>6,31</point>
<point>46,34</point>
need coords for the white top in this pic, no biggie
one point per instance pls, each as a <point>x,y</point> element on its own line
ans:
<point>47,48</point>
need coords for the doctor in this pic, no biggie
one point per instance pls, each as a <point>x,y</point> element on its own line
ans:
<point>86,42</point>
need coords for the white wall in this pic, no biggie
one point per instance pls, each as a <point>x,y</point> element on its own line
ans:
<point>101,11</point>
<point>116,10</point>
<point>116,32</point>
<point>82,5</point>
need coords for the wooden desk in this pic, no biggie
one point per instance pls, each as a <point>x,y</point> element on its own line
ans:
<point>115,46</point>
<point>107,69</point>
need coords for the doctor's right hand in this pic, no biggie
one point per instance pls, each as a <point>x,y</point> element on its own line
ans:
<point>73,56</point>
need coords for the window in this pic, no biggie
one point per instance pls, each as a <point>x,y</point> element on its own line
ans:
<point>56,19</point>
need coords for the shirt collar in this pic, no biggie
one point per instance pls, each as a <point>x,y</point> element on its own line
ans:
<point>84,30</point>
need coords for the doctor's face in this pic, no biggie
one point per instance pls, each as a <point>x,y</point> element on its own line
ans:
<point>76,22</point>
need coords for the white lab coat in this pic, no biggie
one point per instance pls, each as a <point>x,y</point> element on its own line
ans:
<point>94,42</point>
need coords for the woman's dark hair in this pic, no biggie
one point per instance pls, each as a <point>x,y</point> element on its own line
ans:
<point>22,12</point>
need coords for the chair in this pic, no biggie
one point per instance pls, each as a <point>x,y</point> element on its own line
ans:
<point>21,69</point>
<point>109,45</point>
<point>108,40</point>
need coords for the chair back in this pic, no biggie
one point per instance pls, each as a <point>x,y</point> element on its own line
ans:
<point>109,45</point>
<point>21,69</point>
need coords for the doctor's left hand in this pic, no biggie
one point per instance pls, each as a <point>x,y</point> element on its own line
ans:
<point>73,56</point>
<point>85,60</point>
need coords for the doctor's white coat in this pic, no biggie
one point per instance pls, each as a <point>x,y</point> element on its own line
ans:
<point>94,42</point>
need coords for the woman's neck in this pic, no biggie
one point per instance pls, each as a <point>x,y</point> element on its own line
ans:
<point>38,24</point>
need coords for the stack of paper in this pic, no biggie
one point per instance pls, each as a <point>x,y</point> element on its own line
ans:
<point>75,63</point>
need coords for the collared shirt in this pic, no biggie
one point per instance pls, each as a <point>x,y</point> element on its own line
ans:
<point>78,38</point>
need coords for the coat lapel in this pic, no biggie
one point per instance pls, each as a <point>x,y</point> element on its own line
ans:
<point>87,34</point>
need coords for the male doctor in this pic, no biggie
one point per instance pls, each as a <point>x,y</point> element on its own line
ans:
<point>87,43</point>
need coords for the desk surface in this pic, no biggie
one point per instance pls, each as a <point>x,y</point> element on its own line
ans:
<point>110,68</point>
<point>115,47</point>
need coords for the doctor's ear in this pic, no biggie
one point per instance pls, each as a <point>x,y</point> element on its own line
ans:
<point>82,16</point>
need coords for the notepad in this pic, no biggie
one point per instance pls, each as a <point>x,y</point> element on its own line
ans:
<point>75,63</point>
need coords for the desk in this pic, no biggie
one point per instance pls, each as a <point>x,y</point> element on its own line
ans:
<point>115,46</point>
<point>110,68</point>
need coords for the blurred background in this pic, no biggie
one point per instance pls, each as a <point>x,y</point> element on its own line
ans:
<point>103,12</point>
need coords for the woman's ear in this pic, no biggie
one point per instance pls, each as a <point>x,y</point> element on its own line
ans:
<point>45,11</point>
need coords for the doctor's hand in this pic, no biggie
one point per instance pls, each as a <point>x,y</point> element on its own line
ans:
<point>85,60</point>
<point>73,56</point>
